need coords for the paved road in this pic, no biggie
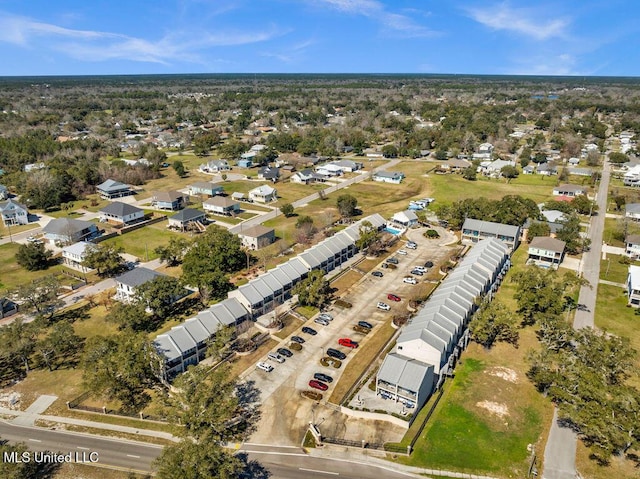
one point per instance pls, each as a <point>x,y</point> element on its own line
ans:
<point>560,452</point>
<point>307,199</point>
<point>118,453</point>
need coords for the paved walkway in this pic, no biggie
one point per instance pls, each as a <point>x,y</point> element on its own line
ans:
<point>612,283</point>
<point>560,452</point>
<point>36,408</point>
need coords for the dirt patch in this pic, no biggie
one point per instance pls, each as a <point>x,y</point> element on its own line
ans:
<point>500,410</point>
<point>10,400</point>
<point>503,373</point>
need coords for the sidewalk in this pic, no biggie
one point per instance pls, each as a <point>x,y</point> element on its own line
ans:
<point>20,417</point>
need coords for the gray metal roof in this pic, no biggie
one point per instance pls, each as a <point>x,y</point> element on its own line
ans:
<point>278,276</point>
<point>208,320</point>
<point>310,259</point>
<point>120,209</point>
<point>490,227</point>
<point>166,347</point>
<point>67,226</point>
<point>404,372</point>
<point>196,330</point>
<point>182,338</point>
<point>112,185</point>
<point>188,214</point>
<point>251,294</point>
<point>298,265</point>
<point>137,276</point>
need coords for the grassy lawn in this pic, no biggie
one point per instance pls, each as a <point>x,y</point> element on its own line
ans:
<point>612,269</point>
<point>307,311</point>
<point>613,235</point>
<point>13,275</point>
<point>363,358</point>
<point>450,188</point>
<point>4,231</point>
<point>143,241</point>
<point>619,467</point>
<point>291,323</point>
<point>241,363</point>
<point>345,281</point>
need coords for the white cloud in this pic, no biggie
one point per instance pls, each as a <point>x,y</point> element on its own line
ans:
<point>100,46</point>
<point>376,10</point>
<point>562,64</point>
<point>292,54</point>
<point>525,21</point>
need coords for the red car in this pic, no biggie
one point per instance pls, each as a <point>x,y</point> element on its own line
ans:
<point>349,343</point>
<point>393,297</point>
<point>318,385</point>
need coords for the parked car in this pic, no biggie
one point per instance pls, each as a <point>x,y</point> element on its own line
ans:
<point>324,322</point>
<point>308,330</point>
<point>275,357</point>
<point>285,352</point>
<point>412,245</point>
<point>264,366</point>
<point>429,264</point>
<point>318,385</point>
<point>347,342</point>
<point>326,316</point>
<point>377,274</point>
<point>393,297</point>
<point>297,339</point>
<point>325,378</point>
<point>383,306</point>
<point>402,252</point>
<point>364,324</point>
<point>409,280</point>
<point>417,272</point>
<point>420,268</point>
<point>392,260</point>
<point>334,353</point>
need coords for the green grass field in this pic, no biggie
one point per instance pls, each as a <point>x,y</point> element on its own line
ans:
<point>142,242</point>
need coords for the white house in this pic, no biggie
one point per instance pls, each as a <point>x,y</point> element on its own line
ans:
<point>4,192</point>
<point>405,218</point>
<point>257,236</point>
<point>633,286</point>
<point>74,255</point>
<point>215,166</point>
<point>221,205</point>
<point>307,176</point>
<point>70,230</point>
<point>127,283</point>
<point>263,194</point>
<point>348,166</point>
<point>329,170</point>
<point>569,190</point>
<point>632,246</point>
<point>394,177</point>
<point>632,211</point>
<point>546,252</point>
<point>119,213</point>
<point>13,213</point>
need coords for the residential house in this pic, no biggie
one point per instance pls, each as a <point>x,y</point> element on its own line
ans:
<point>432,340</point>
<point>188,218</point>
<point>121,214</point>
<point>632,176</point>
<point>7,308</point>
<point>553,216</point>
<point>632,246</point>
<point>4,192</point>
<point>580,171</point>
<point>269,173</point>
<point>494,168</point>
<point>329,170</point>
<point>546,169</point>
<point>221,205</point>
<point>405,218</point>
<point>13,213</point>
<point>127,283</point>
<point>263,194</point>
<point>574,161</point>
<point>307,176</point>
<point>528,170</point>
<point>215,166</point>
<point>475,230</point>
<point>168,200</point>
<point>257,236</point>
<point>246,162</point>
<point>111,189</point>
<point>205,188</point>
<point>394,177</point>
<point>69,230</point>
<point>455,165</point>
<point>238,196</point>
<point>348,166</point>
<point>73,256</point>
<point>569,190</point>
<point>633,286</point>
<point>546,252</point>
<point>485,150</point>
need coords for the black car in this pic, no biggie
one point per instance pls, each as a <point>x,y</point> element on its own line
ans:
<point>428,264</point>
<point>417,272</point>
<point>297,339</point>
<point>309,330</point>
<point>377,274</point>
<point>364,324</point>
<point>285,352</point>
<point>392,260</point>
<point>323,377</point>
<point>334,353</point>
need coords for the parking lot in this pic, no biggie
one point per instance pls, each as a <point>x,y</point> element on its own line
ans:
<point>285,413</point>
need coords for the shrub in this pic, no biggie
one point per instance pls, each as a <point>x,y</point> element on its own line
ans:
<point>295,347</point>
<point>343,304</point>
<point>312,395</point>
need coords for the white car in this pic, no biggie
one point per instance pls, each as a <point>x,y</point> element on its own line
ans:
<point>409,280</point>
<point>402,252</point>
<point>383,306</point>
<point>264,366</point>
<point>420,268</point>
<point>326,316</point>
<point>412,246</point>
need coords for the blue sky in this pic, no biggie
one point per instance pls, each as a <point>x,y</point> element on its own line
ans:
<point>545,37</point>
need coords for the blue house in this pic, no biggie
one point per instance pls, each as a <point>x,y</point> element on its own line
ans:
<point>245,163</point>
<point>205,188</point>
<point>168,200</point>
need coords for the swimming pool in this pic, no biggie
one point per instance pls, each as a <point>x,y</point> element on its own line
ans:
<point>393,231</point>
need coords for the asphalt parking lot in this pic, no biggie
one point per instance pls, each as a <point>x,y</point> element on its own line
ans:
<point>285,414</point>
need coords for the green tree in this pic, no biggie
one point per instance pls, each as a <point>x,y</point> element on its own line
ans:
<point>287,210</point>
<point>178,166</point>
<point>584,205</point>
<point>18,343</point>
<point>313,290</point>
<point>620,201</point>
<point>22,470</point>
<point>618,158</point>
<point>368,236</point>
<point>160,294</point>
<point>190,460</point>
<point>121,367</point>
<point>538,228</point>
<point>492,323</point>
<point>33,256</point>
<point>390,151</point>
<point>347,205</point>
<point>509,171</point>
<point>303,221</point>
<point>40,296</point>
<point>105,259</point>
<point>60,345</point>
<point>173,252</point>
<point>470,173</point>
<point>131,316</point>
<point>570,234</point>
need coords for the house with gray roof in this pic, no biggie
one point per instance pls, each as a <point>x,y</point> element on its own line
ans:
<point>257,236</point>
<point>632,246</point>
<point>435,336</point>
<point>73,256</point>
<point>188,218</point>
<point>215,166</point>
<point>475,230</point>
<point>221,205</point>
<point>632,211</point>
<point>348,166</point>
<point>127,283</point>
<point>307,176</point>
<point>121,214</point>
<point>4,192</point>
<point>168,200</point>
<point>111,189</point>
<point>394,177</point>
<point>263,194</point>
<point>70,230</point>
<point>546,252</point>
<point>569,190</point>
<point>205,188</point>
<point>13,213</point>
